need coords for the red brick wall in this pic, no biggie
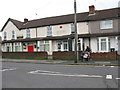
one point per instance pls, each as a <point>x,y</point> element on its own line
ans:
<point>94,56</point>
<point>68,55</point>
<point>65,55</point>
<point>105,56</point>
<point>33,55</point>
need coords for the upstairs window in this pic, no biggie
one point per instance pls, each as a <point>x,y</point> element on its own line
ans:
<point>13,34</point>
<point>49,31</point>
<point>106,24</point>
<point>28,33</point>
<point>5,35</point>
<point>72,28</point>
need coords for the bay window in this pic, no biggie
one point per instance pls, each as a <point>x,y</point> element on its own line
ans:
<point>17,47</point>
<point>44,45</point>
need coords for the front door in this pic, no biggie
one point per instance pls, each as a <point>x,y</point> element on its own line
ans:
<point>30,48</point>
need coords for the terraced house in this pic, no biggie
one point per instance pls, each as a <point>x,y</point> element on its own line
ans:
<point>98,29</point>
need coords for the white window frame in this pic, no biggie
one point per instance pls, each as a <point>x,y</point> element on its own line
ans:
<point>8,45</point>
<point>107,44</point>
<point>108,24</point>
<point>5,35</point>
<point>65,42</point>
<point>43,44</point>
<point>59,43</point>
<point>27,33</point>
<point>17,45</point>
<point>49,30</point>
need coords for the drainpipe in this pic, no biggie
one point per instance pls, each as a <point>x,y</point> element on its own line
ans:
<point>89,43</point>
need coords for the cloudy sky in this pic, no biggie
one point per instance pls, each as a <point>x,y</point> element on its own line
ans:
<point>35,9</point>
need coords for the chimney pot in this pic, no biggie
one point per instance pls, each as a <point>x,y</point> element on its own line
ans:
<point>25,20</point>
<point>91,9</point>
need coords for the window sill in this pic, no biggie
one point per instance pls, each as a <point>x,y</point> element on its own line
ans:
<point>27,37</point>
<point>106,28</point>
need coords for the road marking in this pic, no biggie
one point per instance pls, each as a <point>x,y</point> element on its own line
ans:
<point>105,66</point>
<point>117,78</point>
<point>8,69</point>
<point>108,76</point>
<point>62,74</point>
<point>102,62</point>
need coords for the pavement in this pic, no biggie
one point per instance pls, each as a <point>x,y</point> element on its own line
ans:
<point>66,62</point>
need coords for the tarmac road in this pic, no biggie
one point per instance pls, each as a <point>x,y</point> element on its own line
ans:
<point>26,75</point>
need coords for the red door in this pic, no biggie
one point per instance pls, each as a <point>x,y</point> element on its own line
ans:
<point>30,48</point>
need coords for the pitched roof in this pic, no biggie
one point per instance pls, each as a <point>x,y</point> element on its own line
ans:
<point>81,17</point>
<point>17,23</point>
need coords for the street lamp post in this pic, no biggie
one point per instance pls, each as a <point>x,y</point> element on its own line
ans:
<point>76,35</point>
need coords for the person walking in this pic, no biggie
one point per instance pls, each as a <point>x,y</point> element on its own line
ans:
<point>88,49</point>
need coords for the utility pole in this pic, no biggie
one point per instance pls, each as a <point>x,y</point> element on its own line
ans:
<point>76,35</point>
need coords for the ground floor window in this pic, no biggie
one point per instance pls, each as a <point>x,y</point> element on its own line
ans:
<point>65,45</point>
<point>44,45</point>
<point>62,45</point>
<point>103,44</point>
<point>8,47</point>
<point>59,45</point>
<point>17,47</point>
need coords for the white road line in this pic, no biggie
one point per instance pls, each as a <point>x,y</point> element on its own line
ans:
<point>108,76</point>
<point>117,78</point>
<point>61,74</point>
<point>8,69</point>
<point>105,66</point>
<point>102,62</point>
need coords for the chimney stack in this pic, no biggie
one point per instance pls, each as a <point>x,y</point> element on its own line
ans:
<point>25,20</point>
<point>91,10</point>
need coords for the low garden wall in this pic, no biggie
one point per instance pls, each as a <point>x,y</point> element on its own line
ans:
<point>65,55</point>
<point>94,56</point>
<point>26,55</point>
<point>104,56</point>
